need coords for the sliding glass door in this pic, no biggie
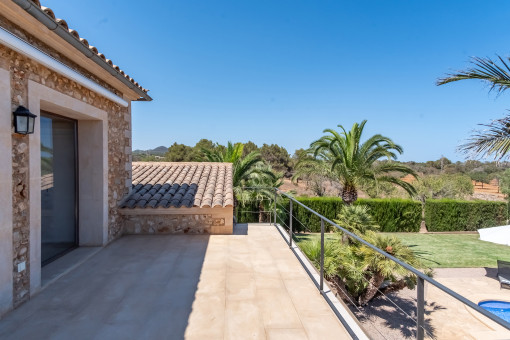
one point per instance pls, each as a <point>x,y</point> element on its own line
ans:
<point>59,213</point>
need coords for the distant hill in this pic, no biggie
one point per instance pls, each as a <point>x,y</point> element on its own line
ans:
<point>159,151</point>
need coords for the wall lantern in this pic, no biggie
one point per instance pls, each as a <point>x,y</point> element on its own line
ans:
<point>24,121</point>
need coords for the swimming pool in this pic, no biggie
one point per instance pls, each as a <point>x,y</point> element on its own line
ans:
<point>499,308</point>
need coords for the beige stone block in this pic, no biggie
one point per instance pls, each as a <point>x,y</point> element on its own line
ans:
<point>222,230</point>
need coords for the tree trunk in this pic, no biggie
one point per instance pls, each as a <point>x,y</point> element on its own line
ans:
<point>373,285</point>
<point>261,212</point>
<point>349,194</point>
<point>339,289</point>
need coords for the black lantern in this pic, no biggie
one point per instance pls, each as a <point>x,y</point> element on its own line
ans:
<point>24,121</point>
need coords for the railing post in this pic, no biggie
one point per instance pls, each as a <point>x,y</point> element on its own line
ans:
<point>420,320</point>
<point>290,225</point>
<point>275,193</point>
<point>321,285</point>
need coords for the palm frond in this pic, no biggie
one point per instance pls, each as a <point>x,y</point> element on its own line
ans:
<point>494,141</point>
<point>485,69</point>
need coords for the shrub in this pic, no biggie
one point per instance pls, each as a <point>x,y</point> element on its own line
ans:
<point>395,215</point>
<point>328,207</point>
<point>450,215</point>
<point>392,215</point>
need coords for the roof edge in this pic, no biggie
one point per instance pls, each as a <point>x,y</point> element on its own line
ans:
<point>52,24</point>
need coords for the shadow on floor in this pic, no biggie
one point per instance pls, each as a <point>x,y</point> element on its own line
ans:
<point>241,229</point>
<point>491,272</point>
<point>138,287</point>
<point>382,316</point>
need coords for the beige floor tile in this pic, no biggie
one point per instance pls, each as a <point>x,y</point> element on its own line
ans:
<point>323,327</point>
<point>193,287</point>
<point>286,334</point>
<point>212,281</point>
<point>239,263</point>
<point>268,282</point>
<point>277,309</point>
<point>306,297</point>
<point>243,321</point>
<point>207,317</point>
<point>240,286</point>
<point>290,269</point>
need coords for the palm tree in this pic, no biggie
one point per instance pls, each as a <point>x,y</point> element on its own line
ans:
<point>356,164</point>
<point>248,172</point>
<point>357,219</point>
<point>494,141</point>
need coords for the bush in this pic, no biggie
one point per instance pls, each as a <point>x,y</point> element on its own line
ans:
<point>395,215</point>
<point>450,215</point>
<point>392,215</point>
<point>247,212</point>
<point>328,207</point>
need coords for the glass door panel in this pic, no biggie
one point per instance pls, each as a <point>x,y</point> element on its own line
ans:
<point>58,187</point>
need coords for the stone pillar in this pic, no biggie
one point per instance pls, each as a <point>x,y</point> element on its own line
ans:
<point>20,188</point>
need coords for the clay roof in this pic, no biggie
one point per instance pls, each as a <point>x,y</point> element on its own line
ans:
<point>180,184</point>
<point>74,33</point>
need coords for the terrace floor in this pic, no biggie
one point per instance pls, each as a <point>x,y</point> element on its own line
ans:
<point>248,285</point>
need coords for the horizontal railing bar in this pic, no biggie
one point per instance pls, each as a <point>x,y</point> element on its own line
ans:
<point>415,271</point>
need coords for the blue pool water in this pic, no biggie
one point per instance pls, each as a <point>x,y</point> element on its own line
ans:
<point>499,308</point>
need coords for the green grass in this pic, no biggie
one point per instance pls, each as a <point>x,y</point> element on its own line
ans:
<point>447,250</point>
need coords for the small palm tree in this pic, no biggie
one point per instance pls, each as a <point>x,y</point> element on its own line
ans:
<point>357,164</point>
<point>379,268</point>
<point>356,219</point>
<point>247,172</point>
<point>494,141</point>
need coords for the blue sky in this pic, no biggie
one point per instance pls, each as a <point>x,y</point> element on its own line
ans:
<point>281,71</point>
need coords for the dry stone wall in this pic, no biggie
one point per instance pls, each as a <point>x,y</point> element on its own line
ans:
<point>206,223</point>
<point>23,69</point>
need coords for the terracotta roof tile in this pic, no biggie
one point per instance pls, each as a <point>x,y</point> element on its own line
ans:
<point>64,24</point>
<point>175,184</point>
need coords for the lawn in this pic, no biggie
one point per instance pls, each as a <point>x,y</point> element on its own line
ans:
<point>447,250</point>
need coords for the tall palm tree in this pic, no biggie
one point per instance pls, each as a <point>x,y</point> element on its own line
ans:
<point>357,164</point>
<point>494,140</point>
<point>248,172</point>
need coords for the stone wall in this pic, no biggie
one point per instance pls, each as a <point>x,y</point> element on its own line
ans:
<point>210,221</point>
<point>23,69</point>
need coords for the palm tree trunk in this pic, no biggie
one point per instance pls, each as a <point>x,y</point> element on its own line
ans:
<point>373,285</point>
<point>349,194</point>
<point>261,212</point>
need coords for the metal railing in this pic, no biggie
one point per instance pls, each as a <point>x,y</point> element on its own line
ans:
<point>421,277</point>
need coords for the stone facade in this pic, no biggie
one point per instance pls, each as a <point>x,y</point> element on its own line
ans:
<point>208,221</point>
<point>20,219</point>
<point>23,69</point>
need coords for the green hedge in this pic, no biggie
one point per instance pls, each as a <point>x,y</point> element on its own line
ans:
<point>395,215</point>
<point>391,214</point>
<point>454,215</point>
